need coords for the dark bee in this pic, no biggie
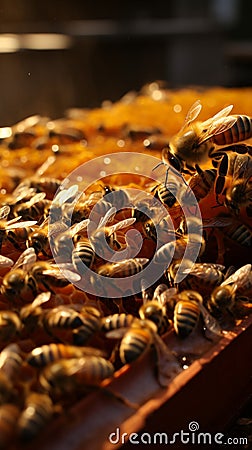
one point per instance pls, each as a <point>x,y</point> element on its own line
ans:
<point>234,182</point>
<point>68,375</point>
<point>36,415</point>
<point>166,193</point>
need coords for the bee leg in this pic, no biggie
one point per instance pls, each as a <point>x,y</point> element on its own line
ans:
<point>48,288</point>
<point>33,286</point>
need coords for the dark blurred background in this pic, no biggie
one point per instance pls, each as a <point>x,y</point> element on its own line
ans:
<point>59,54</point>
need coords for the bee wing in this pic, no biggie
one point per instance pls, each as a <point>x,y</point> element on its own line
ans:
<point>210,322</point>
<point>37,198</point>
<point>24,224</point>
<point>41,298</point>
<point>193,113</point>
<point>65,194</point>
<point>5,262</point>
<point>168,365</point>
<point>166,295</point>
<point>238,277</point>
<point>108,216</point>
<point>48,162</point>
<point>217,127</point>
<point>220,115</point>
<point>55,272</point>
<point>22,191</point>
<point>200,269</point>
<point>4,211</point>
<point>74,229</point>
<point>26,258</point>
<point>242,167</point>
<point>122,224</point>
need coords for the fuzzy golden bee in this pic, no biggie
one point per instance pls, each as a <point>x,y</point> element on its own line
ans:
<point>196,141</point>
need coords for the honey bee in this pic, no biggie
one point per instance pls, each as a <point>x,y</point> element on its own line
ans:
<point>203,277</point>
<point>28,274</point>
<point>155,310</point>
<point>117,320</point>
<point>30,314</point>
<point>187,311</point>
<point>124,268</point>
<point>68,375</point>
<point>223,297</point>
<point>15,281</point>
<point>49,276</point>
<point>63,241</point>
<point>159,230</point>
<point>195,142</point>
<point>49,353</point>
<point>103,238</point>
<point>175,250</point>
<point>91,323</point>
<point>36,414</point>
<point>11,360</point>
<point>38,239</point>
<point>33,209</point>
<point>116,197</point>
<point>83,253</point>
<point>167,193</point>
<point>13,230</point>
<point>62,316</point>
<point>38,183</point>
<point>202,182</point>
<point>10,325</point>
<point>234,182</point>
<point>137,340</point>
<point>64,198</point>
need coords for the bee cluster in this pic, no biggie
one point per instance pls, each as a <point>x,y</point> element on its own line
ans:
<point>62,333</point>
